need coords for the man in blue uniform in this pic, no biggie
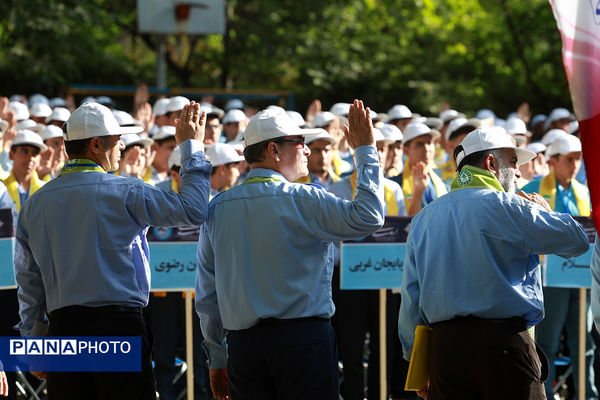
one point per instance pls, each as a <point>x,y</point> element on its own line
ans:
<point>472,273</point>
<point>81,251</point>
<point>265,263</point>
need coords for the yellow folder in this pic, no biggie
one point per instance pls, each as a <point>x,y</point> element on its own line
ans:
<point>418,370</point>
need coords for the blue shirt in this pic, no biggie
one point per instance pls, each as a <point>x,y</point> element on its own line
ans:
<point>7,202</point>
<point>81,238</point>
<point>474,252</point>
<point>565,198</point>
<point>266,250</point>
<point>595,292</point>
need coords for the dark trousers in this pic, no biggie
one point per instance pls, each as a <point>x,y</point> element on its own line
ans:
<point>84,321</point>
<point>283,359</point>
<point>479,359</point>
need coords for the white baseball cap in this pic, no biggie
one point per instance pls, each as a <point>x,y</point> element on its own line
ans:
<point>417,129</point>
<point>222,153</point>
<point>28,124</point>
<point>564,145</point>
<point>59,114</point>
<point>297,118</point>
<point>555,115</point>
<point>20,110</point>
<point>57,102</point>
<point>323,119</point>
<point>449,115</point>
<point>490,138</point>
<point>40,110</point>
<point>30,138</point>
<point>340,109</point>
<point>459,123</point>
<point>160,107</point>
<point>131,139</point>
<point>516,126</point>
<point>164,132</point>
<point>399,111</point>
<point>94,120</point>
<point>126,119</point>
<point>269,124</point>
<point>324,135</point>
<point>235,115</point>
<point>37,99</point>
<point>391,132</point>
<point>536,147</point>
<point>177,103</point>
<point>552,135</point>
<point>175,158</point>
<point>485,113</point>
<point>211,109</point>
<point>379,137</point>
<point>234,104</point>
<point>51,132</point>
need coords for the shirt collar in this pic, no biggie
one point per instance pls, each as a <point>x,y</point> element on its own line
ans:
<point>266,173</point>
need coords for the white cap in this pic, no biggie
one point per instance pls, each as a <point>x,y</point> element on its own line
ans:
<point>234,104</point>
<point>177,103</point>
<point>160,107</point>
<point>37,99</point>
<point>391,132</point>
<point>485,114</point>
<point>434,123</point>
<point>449,115</point>
<point>417,129</point>
<point>296,117</point>
<point>40,110</point>
<point>28,124</point>
<point>461,122</point>
<point>175,158</point>
<point>555,115</point>
<point>323,135</point>
<point>89,99</point>
<point>340,109</point>
<point>57,102</point>
<point>564,145</point>
<point>131,139</point>
<point>51,132</point>
<point>536,147</point>
<point>490,138</point>
<point>269,124</point>
<point>573,127</point>
<point>274,107</point>
<point>27,137</point>
<point>211,109</point>
<point>516,126</point>
<point>323,119</point>
<point>379,137</point>
<point>92,120</point>
<point>399,111</point>
<point>235,115</point>
<point>20,110</point>
<point>552,135</point>
<point>222,153</point>
<point>125,119</point>
<point>164,132</point>
<point>59,114</point>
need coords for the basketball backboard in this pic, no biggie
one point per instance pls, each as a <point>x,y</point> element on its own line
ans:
<point>193,17</point>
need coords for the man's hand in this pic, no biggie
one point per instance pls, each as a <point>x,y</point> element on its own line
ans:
<point>420,174</point>
<point>3,384</point>
<point>359,131</point>
<point>313,109</point>
<point>39,374</point>
<point>191,123</point>
<point>424,392</point>
<point>536,198</point>
<point>219,383</point>
<point>145,116</point>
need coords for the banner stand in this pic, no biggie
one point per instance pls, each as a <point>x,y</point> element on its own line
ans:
<point>189,344</point>
<point>582,337</point>
<point>382,344</point>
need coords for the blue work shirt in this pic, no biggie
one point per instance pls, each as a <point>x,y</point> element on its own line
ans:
<point>475,252</point>
<point>81,238</point>
<point>266,250</point>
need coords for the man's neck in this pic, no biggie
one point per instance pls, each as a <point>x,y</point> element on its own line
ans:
<point>323,175</point>
<point>24,179</point>
<point>566,183</point>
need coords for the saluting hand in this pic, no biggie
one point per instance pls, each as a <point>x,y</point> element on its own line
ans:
<point>190,124</point>
<point>420,174</point>
<point>359,131</point>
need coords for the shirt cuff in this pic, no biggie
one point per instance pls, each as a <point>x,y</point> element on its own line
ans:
<point>366,155</point>
<point>189,147</point>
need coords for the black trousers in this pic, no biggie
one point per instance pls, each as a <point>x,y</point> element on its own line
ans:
<point>479,359</point>
<point>87,321</point>
<point>293,359</point>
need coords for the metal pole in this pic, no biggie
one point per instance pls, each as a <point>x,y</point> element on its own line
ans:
<point>382,344</point>
<point>582,336</point>
<point>189,344</point>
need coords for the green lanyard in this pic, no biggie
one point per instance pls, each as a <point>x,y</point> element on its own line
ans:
<point>80,165</point>
<point>256,179</point>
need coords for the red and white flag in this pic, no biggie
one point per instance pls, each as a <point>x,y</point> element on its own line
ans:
<point>579,25</point>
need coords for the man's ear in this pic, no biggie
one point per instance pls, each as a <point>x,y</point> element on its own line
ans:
<point>491,164</point>
<point>94,146</point>
<point>273,151</point>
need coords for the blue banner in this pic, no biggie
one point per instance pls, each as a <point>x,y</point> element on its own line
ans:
<point>81,354</point>
<point>377,261</point>
<point>7,271</point>
<point>173,265</point>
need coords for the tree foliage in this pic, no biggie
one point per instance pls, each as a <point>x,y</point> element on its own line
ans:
<point>471,53</point>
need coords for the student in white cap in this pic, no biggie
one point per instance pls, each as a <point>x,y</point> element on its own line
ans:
<point>538,167</point>
<point>342,162</point>
<point>95,238</point>
<point>566,195</point>
<point>455,132</point>
<point>399,115</point>
<point>234,122</point>
<point>320,171</point>
<point>518,130</point>
<point>58,117</point>
<point>421,185</point>
<point>225,172</point>
<point>164,143</point>
<point>20,110</point>
<point>274,285</point>
<point>133,156</point>
<point>354,308</point>
<point>25,153</point>
<point>55,157</point>
<point>472,273</point>
<point>39,112</point>
<point>558,118</point>
<point>214,128</point>
<point>159,110</point>
<point>174,107</point>
<point>394,164</point>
